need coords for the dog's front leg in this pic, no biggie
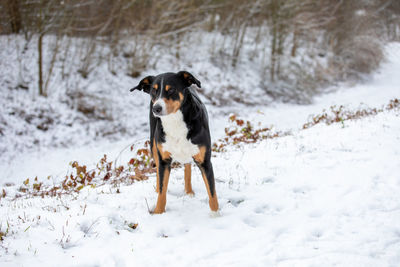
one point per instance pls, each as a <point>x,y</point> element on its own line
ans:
<point>188,180</point>
<point>163,171</point>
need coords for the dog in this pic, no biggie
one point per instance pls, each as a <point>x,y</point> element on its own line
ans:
<point>179,131</point>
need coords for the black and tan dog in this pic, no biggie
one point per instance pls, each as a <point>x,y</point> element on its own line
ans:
<point>179,131</point>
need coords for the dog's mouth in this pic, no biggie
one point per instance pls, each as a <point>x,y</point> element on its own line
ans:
<point>163,115</point>
<point>163,107</point>
<point>158,115</point>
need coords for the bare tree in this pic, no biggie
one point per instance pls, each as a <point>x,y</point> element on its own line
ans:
<point>350,30</point>
<point>14,15</point>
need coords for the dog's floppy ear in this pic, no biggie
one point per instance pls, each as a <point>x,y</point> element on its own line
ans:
<point>189,78</point>
<point>144,85</point>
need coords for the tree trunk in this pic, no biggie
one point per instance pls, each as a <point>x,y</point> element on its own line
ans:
<point>40,26</point>
<point>281,40</point>
<point>15,16</point>
<point>238,44</point>
<point>273,49</point>
<point>40,65</point>
<point>294,42</point>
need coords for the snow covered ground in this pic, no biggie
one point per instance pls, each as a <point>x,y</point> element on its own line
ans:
<point>325,196</point>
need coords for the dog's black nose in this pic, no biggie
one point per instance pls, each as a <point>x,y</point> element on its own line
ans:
<point>157,109</point>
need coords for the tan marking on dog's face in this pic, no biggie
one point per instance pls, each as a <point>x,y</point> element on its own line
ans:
<point>167,87</point>
<point>173,105</point>
<point>199,157</point>
<point>164,154</point>
<point>155,86</point>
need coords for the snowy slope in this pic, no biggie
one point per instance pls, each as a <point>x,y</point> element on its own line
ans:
<point>325,196</point>
<point>373,92</point>
<point>377,91</point>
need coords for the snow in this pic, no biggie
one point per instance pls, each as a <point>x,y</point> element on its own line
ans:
<point>324,196</point>
<point>376,91</point>
<point>317,197</point>
<point>85,110</point>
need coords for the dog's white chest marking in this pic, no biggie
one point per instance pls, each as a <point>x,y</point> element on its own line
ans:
<point>176,143</point>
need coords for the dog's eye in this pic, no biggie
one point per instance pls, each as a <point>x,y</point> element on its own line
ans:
<point>153,93</point>
<point>171,91</point>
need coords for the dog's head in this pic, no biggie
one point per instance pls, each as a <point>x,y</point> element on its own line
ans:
<point>167,90</point>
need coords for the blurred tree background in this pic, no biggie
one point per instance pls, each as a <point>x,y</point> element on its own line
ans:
<point>349,34</point>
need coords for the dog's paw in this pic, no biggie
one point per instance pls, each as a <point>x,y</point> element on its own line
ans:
<point>158,210</point>
<point>215,214</point>
<point>190,194</point>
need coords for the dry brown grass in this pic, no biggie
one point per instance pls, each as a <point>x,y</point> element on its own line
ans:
<point>141,165</point>
<point>340,114</point>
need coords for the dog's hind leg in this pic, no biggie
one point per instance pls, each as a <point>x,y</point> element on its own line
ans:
<point>188,179</point>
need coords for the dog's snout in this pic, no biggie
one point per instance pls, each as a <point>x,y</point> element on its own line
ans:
<point>157,109</point>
